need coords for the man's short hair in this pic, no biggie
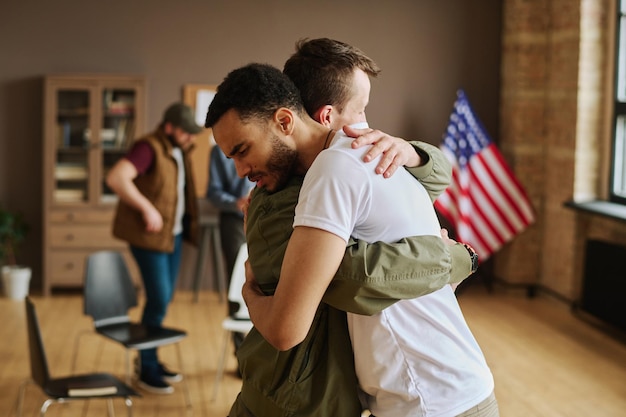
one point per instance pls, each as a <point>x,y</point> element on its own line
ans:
<point>322,70</point>
<point>254,91</point>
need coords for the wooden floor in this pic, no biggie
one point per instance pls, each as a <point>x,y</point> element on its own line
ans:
<point>546,362</point>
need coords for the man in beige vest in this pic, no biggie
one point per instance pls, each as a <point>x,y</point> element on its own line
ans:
<point>157,210</point>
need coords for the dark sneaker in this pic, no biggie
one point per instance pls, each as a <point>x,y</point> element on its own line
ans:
<point>154,384</point>
<point>169,376</point>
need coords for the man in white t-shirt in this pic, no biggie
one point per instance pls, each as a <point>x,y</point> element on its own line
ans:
<point>429,361</point>
<point>416,358</point>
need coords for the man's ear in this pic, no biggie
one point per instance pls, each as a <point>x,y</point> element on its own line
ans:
<point>324,115</point>
<point>168,128</point>
<point>284,118</point>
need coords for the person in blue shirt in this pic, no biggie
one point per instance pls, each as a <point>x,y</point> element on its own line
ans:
<point>228,194</point>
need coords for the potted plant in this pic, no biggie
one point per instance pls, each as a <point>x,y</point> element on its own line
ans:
<point>15,278</point>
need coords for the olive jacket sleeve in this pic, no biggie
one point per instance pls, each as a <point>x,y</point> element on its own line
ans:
<point>374,276</point>
<point>436,173</point>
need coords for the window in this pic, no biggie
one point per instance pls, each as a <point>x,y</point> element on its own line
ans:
<point>618,188</point>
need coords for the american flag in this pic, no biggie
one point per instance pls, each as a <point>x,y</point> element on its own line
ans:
<point>485,203</point>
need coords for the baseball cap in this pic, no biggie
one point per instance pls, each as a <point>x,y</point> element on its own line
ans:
<point>181,115</point>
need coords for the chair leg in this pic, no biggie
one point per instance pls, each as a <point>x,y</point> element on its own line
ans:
<point>219,266</point>
<point>128,371</point>
<point>185,385</point>
<point>110,409</point>
<point>129,406</point>
<point>220,366</point>
<point>44,406</point>
<point>19,404</point>
<point>202,250</point>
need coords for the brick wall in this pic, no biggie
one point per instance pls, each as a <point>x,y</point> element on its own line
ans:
<point>554,132</point>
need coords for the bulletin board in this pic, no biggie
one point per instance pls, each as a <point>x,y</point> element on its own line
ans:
<point>194,95</point>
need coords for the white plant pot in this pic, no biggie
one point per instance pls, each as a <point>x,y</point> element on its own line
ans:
<point>16,281</point>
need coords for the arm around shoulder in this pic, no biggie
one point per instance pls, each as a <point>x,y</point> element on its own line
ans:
<point>371,277</point>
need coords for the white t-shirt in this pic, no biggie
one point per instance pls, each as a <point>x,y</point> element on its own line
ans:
<point>417,357</point>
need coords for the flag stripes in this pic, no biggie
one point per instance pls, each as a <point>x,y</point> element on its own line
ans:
<point>485,203</point>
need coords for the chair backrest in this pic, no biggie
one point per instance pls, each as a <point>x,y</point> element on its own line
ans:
<point>109,290</point>
<point>237,279</point>
<point>38,362</point>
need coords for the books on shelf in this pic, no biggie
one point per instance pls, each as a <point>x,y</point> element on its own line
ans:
<point>69,195</point>
<point>120,137</point>
<point>70,172</point>
<point>119,102</point>
<point>64,131</point>
<point>130,133</point>
<point>121,106</point>
<point>125,132</point>
<point>109,198</point>
<point>92,391</point>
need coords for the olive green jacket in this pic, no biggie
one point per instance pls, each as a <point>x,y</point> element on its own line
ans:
<point>317,377</point>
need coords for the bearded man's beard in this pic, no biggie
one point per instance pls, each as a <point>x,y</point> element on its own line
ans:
<point>281,164</point>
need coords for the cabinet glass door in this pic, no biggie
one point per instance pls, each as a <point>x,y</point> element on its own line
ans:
<point>71,171</point>
<point>117,132</point>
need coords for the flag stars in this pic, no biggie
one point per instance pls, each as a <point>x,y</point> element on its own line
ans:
<point>461,126</point>
<point>450,143</point>
<point>473,142</point>
<point>488,212</point>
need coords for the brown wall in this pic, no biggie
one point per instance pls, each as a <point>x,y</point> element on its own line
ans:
<point>427,49</point>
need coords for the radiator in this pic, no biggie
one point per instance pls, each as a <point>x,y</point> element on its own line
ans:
<point>604,282</point>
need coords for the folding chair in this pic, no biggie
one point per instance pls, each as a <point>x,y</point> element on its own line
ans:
<point>69,388</point>
<point>109,294</point>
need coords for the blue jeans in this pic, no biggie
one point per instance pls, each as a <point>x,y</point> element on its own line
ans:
<point>159,273</point>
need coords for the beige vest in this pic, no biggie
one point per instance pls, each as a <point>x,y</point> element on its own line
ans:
<point>159,186</point>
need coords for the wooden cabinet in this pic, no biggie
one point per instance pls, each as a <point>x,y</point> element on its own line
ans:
<point>89,123</point>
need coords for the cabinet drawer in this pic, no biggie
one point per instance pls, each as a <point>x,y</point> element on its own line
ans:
<point>82,216</point>
<point>84,236</point>
<point>67,268</point>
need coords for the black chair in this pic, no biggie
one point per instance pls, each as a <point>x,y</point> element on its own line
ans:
<point>109,294</point>
<point>70,388</point>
